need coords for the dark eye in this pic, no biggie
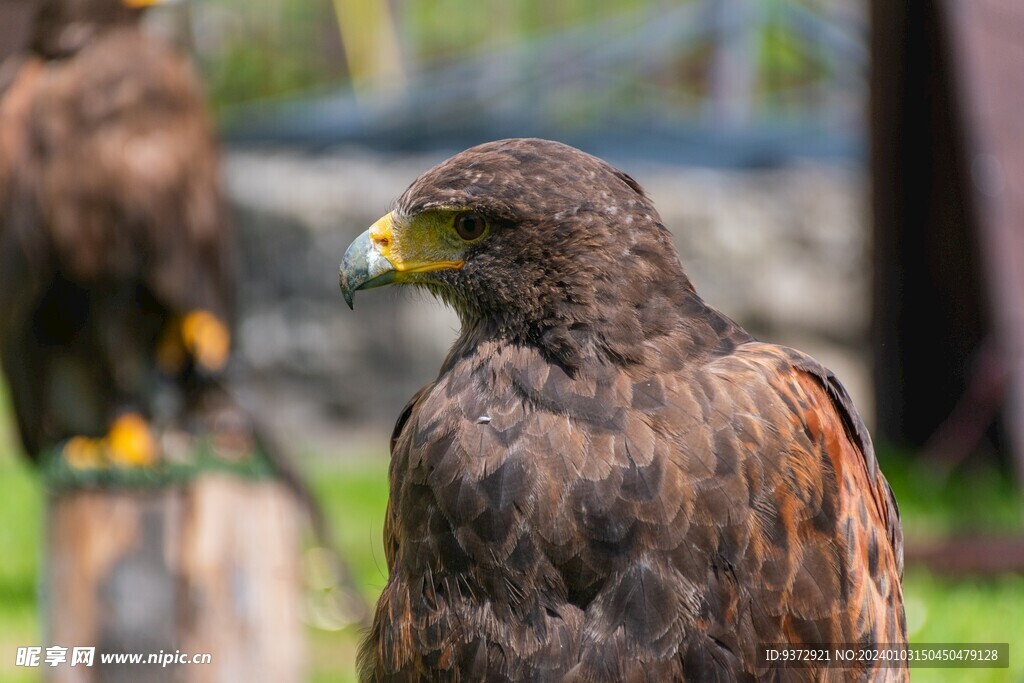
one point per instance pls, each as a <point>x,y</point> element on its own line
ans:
<point>470,226</point>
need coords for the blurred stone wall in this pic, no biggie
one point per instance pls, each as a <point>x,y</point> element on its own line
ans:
<point>783,251</point>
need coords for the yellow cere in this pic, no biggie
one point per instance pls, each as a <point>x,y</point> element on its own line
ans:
<point>421,244</point>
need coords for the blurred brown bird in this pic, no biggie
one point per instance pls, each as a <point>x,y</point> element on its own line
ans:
<point>115,247</point>
<point>609,480</point>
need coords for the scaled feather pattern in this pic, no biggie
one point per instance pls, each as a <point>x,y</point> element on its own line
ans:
<point>610,480</point>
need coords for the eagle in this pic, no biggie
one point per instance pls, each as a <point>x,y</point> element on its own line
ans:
<point>115,245</point>
<point>609,480</point>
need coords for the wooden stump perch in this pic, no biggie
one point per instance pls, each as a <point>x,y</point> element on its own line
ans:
<point>211,565</point>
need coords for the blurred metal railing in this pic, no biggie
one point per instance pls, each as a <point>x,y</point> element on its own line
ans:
<point>757,81</point>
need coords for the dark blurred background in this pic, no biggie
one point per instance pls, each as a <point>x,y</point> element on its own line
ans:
<point>844,177</point>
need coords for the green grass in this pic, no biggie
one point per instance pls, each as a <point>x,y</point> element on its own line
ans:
<point>354,492</point>
<point>20,531</point>
<point>974,498</point>
<point>979,611</point>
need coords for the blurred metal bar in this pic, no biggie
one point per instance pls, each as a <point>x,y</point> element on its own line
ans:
<point>515,89</point>
<point>737,28</point>
<point>369,36</point>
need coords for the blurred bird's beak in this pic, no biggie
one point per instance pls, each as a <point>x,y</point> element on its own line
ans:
<point>139,4</point>
<point>366,263</point>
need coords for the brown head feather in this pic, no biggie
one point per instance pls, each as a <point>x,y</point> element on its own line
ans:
<point>578,263</point>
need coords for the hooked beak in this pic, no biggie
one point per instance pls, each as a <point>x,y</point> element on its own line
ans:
<point>376,258</point>
<point>365,264</point>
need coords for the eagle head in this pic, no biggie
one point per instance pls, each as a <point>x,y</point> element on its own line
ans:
<point>531,240</point>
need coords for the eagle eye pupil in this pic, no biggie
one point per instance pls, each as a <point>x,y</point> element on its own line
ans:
<point>470,226</point>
